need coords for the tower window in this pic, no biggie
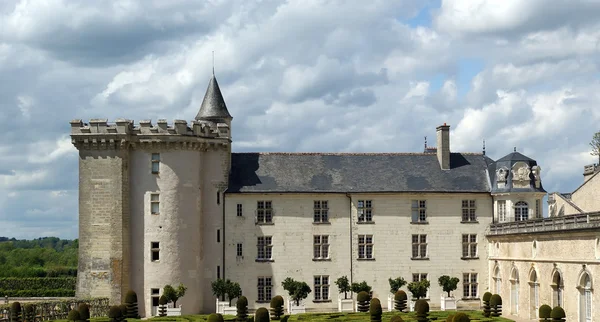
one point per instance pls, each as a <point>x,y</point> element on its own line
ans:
<point>218,235</point>
<point>218,197</point>
<point>155,251</point>
<point>239,210</point>
<point>154,203</point>
<point>155,162</point>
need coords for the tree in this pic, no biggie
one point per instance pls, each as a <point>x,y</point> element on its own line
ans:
<point>219,289</point>
<point>359,287</point>
<point>448,283</point>
<point>298,291</point>
<point>595,144</point>
<point>233,290</point>
<point>343,286</point>
<point>172,294</point>
<point>396,284</point>
<point>419,289</point>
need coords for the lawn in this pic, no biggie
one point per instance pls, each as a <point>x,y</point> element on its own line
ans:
<point>329,317</point>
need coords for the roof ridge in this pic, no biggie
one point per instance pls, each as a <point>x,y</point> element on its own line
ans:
<point>353,153</point>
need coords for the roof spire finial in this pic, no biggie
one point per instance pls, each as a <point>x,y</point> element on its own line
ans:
<point>483,146</point>
<point>515,149</point>
<point>213,62</point>
<point>426,143</point>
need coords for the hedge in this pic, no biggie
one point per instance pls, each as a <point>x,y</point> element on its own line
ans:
<point>60,292</point>
<point>38,283</point>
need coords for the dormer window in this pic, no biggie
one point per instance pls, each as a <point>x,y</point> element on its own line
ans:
<point>521,211</point>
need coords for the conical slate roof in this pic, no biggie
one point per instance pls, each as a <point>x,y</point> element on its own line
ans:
<point>213,106</point>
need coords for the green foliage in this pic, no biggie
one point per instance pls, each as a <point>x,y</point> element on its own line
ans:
<point>285,318</point>
<point>131,304</point>
<point>261,315</point>
<point>449,318</point>
<point>496,305</point>
<point>558,314</point>
<point>545,311</point>
<point>422,309</point>
<point>84,312</point>
<point>38,293</point>
<point>343,285</point>
<point>400,299</point>
<point>38,286</point>
<point>396,318</point>
<point>375,310</point>
<point>595,144</point>
<point>219,288</point>
<point>29,313</point>
<point>448,283</point>
<point>396,284</point>
<point>487,311</point>
<point>234,290</point>
<point>173,294</point>
<point>74,315</point>
<point>215,317</point>
<point>15,312</point>
<point>461,317</point>
<point>362,299</point>
<point>162,308</point>
<point>419,289</point>
<point>114,313</point>
<point>124,312</point>
<point>360,287</point>
<point>242,309</point>
<point>298,291</point>
<point>277,307</point>
<point>42,257</point>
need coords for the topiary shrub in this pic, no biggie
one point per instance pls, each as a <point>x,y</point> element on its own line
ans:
<point>162,305</point>
<point>449,318</point>
<point>242,309</point>
<point>215,317</point>
<point>486,304</point>
<point>422,308</point>
<point>396,318</point>
<point>114,313</point>
<point>400,299</point>
<point>363,301</point>
<point>132,305</point>
<point>29,313</point>
<point>277,307</point>
<point>496,305</point>
<point>73,315</point>
<point>84,312</point>
<point>460,317</point>
<point>545,312</point>
<point>558,314</point>
<point>285,318</point>
<point>375,310</point>
<point>261,315</point>
<point>15,312</point>
<point>123,309</point>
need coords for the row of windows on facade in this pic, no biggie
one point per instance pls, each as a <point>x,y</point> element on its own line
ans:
<point>264,247</point>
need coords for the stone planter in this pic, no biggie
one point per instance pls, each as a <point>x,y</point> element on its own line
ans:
<point>345,305</point>
<point>293,309</point>
<point>390,303</point>
<point>229,310</point>
<point>174,311</point>
<point>447,303</point>
<point>221,305</point>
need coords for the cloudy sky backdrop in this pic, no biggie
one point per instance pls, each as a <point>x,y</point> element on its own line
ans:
<point>310,75</point>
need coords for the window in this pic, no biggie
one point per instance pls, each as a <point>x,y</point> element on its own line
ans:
<point>154,203</point>
<point>264,289</point>
<point>218,272</point>
<point>265,248</point>
<point>321,247</point>
<point>264,212</point>
<point>365,211</point>
<point>470,285</point>
<point>218,197</point>
<point>501,210</point>
<point>419,246</point>
<point>218,235</point>
<point>321,288</point>
<point>537,209</point>
<point>155,251</point>
<point>321,211</point>
<point>239,250</point>
<point>239,211</point>
<point>365,246</point>
<point>155,162</point>
<point>154,295</point>
<point>521,211</point>
<point>419,211</point>
<point>469,246</point>
<point>468,211</point>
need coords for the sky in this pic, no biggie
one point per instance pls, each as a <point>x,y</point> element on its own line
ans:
<point>297,76</point>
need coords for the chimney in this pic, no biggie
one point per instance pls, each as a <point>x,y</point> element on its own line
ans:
<point>589,170</point>
<point>443,146</point>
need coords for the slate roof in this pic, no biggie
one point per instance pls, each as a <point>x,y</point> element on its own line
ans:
<point>213,105</point>
<point>357,172</point>
<point>507,162</point>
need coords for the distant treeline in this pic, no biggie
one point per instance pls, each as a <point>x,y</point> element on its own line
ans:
<point>42,257</point>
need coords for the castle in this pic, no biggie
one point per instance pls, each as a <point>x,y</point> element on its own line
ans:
<point>170,203</point>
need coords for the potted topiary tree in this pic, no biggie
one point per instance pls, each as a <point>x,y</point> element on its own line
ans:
<point>233,291</point>
<point>361,287</point>
<point>362,299</point>
<point>346,304</point>
<point>395,285</point>
<point>173,295</point>
<point>448,285</point>
<point>418,291</point>
<point>400,299</point>
<point>297,291</point>
<point>219,290</point>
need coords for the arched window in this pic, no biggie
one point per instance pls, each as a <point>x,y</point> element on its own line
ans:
<point>585,297</point>
<point>497,280</point>
<point>514,291</point>
<point>557,289</point>
<point>521,211</point>
<point>534,295</point>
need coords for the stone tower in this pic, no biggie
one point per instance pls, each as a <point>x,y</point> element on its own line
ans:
<point>150,205</point>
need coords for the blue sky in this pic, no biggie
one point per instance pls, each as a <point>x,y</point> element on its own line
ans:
<point>515,73</point>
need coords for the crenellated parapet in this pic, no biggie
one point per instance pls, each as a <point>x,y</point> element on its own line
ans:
<point>99,134</point>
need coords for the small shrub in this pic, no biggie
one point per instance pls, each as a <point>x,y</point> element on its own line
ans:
<point>285,318</point>
<point>545,312</point>
<point>261,315</point>
<point>363,301</point>
<point>84,312</point>
<point>396,284</point>
<point>396,318</point>
<point>250,318</point>
<point>449,318</point>
<point>400,299</point>
<point>29,313</point>
<point>123,308</point>
<point>419,289</point>
<point>162,308</point>
<point>277,307</point>
<point>15,312</point>
<point>375,310</point>
<point>460,317</point>
<point>558,314</point>
<point>114,313</point>
<point>486,304</point>
<point>73,315</point>
<point>448,283</point>
<point>496,305</point>
<point>422,308</point>
<point>343,286</point>
<point>298,291</point>
<point>360,287</point>
<point>242,308</point>
<point>132,305</point>
<point>215,317</point>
